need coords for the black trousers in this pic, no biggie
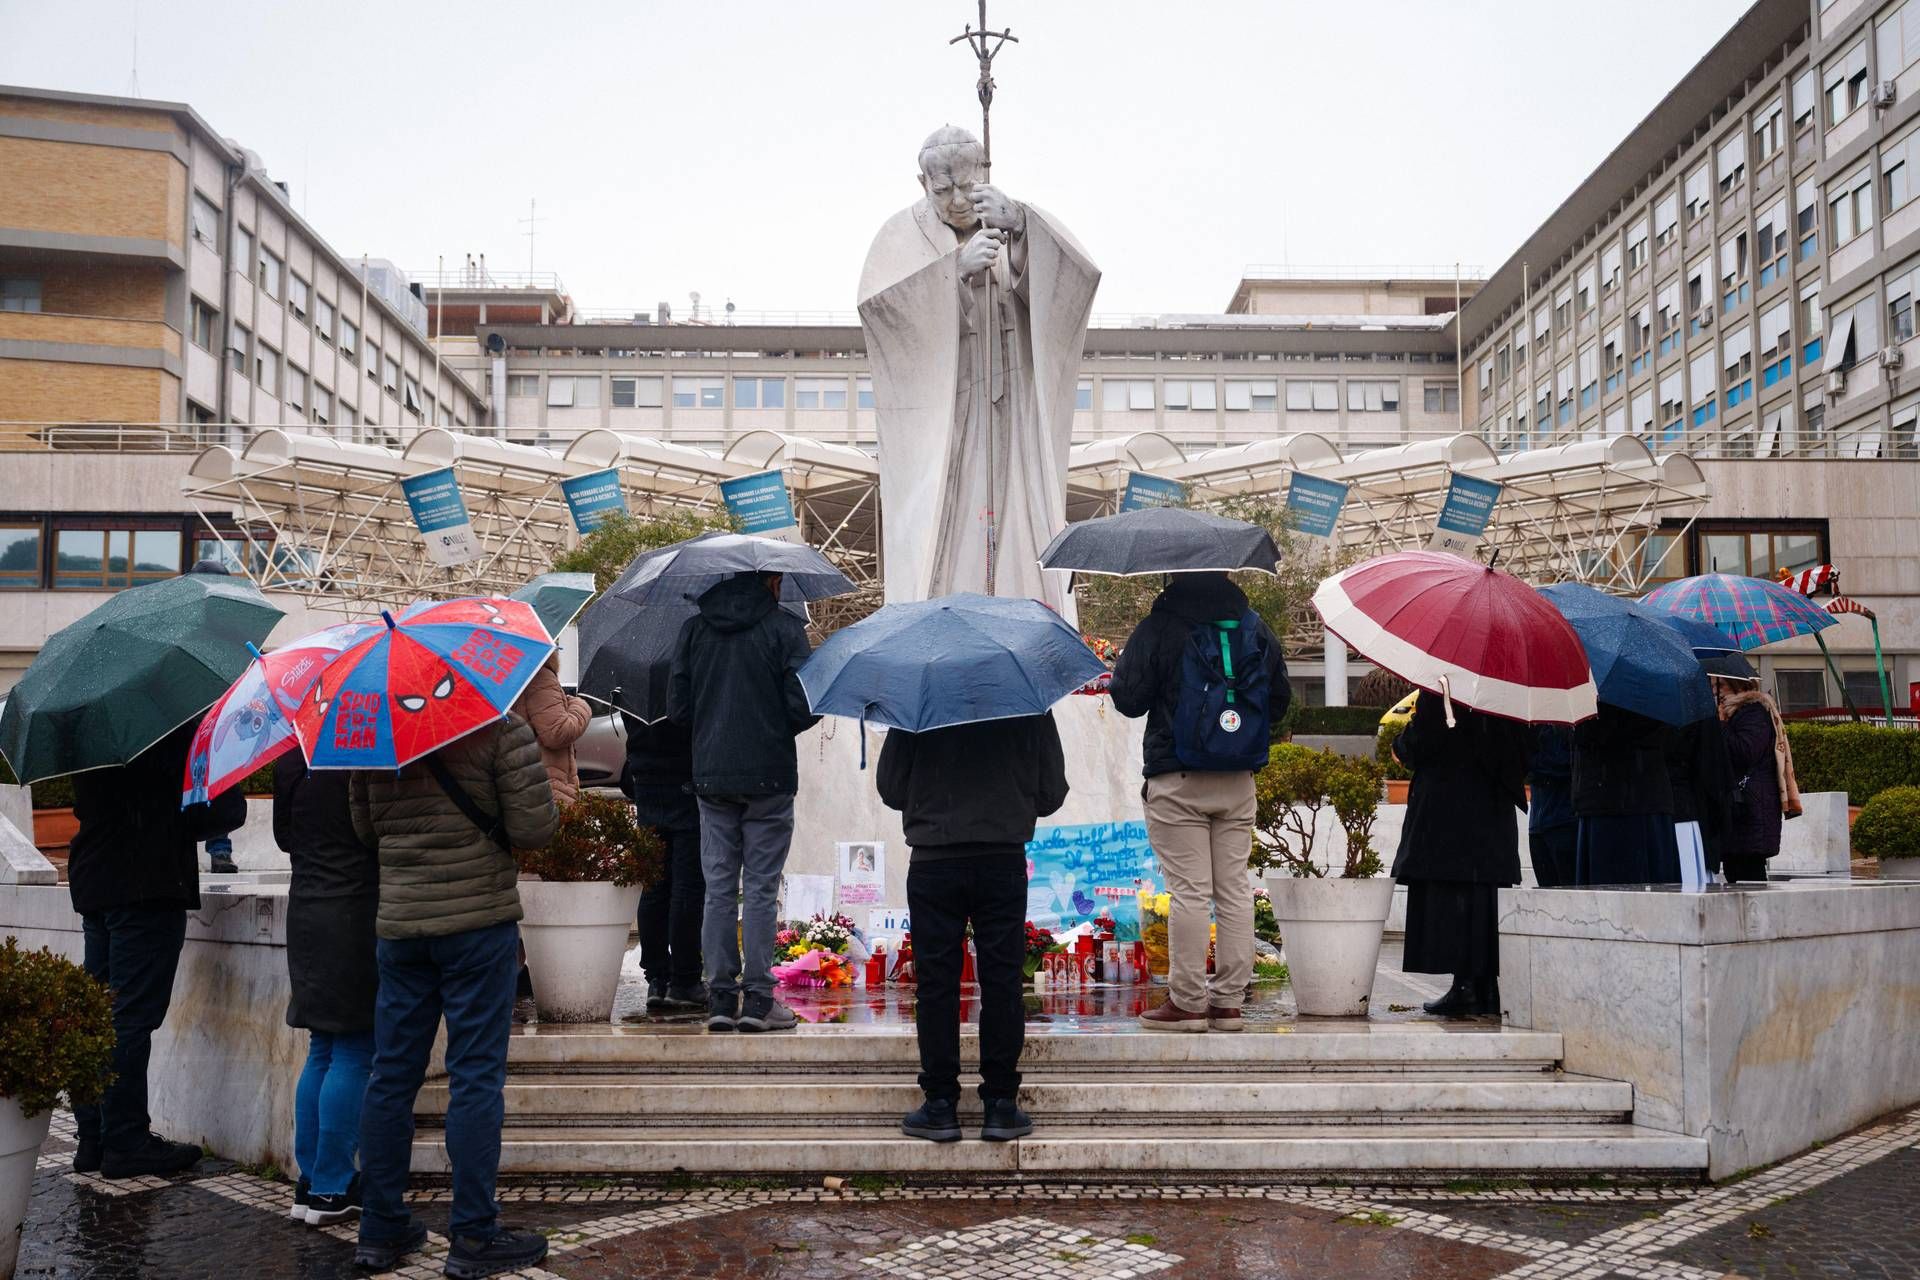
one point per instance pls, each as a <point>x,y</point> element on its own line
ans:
<point>671,914</point>
<point>1745,870</point>
<point>990,890</point>
<point>135,951</point>
<point>1552,850</point>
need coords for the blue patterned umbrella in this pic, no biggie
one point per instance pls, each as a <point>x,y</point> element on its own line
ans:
<point>1751,611</point>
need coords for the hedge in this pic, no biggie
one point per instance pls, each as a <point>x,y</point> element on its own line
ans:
<point>1859,759</point>
<point>1362,721</point>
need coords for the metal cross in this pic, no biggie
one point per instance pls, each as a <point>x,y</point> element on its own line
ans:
<point>986,46</point>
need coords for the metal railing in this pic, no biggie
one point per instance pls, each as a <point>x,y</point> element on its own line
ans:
<point>710,315</point>
<point>106,437</point>
<point>1470,273</point>
<point>1862,442</point>
<point>474,278</point>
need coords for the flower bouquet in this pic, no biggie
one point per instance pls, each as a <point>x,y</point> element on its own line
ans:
<point>1154,911</point>
<point>1039,942</point>
<point>813,953</point>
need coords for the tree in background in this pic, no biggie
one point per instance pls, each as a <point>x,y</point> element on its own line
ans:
<point>609,549</point>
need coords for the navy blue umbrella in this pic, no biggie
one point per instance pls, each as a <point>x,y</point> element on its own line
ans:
<point>949,661</point>
<point>1639,662</point>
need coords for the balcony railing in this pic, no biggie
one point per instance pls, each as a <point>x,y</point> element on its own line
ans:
<point>1469,273</point>
<point>474,278</point>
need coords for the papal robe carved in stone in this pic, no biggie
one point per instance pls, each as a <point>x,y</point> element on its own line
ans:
<point>973,385</point>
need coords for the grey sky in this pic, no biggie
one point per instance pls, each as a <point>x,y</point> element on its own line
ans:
<point>749,149</point>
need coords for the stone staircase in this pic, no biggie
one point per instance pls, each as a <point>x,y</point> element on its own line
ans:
<point>1406,1101</point>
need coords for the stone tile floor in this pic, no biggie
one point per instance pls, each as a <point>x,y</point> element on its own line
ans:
<point>1845,1209</point>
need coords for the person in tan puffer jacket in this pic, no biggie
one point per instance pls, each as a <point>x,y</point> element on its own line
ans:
<point>558,719</point>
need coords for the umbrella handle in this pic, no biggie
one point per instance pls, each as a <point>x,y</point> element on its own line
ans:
<point>1446,699</point>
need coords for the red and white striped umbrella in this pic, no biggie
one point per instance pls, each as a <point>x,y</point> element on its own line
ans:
<point>1480,637</point>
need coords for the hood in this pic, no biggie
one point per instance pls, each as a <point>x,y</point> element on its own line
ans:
<point>737,603</point>
<point>1201,597</point>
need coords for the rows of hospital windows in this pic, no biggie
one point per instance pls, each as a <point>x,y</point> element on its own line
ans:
<point>105,553</point>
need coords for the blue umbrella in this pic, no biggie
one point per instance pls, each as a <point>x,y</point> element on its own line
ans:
<point>1704,637</point>
<point>949,661</point>
<point>1639,662</point>
<point>556,598</point>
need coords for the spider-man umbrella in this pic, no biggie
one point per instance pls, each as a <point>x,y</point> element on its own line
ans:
<point>436,673</point>
<point>1483,638</point>
<point>253,721</point>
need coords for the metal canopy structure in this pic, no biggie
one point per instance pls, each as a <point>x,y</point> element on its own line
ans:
<point>327,519</point>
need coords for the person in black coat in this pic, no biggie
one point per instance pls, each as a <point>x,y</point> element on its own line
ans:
<point>659,781</point>
<point>1755,806</point>
<point>332,970</point>
<point>1552,831</point>
<point>1459,845</point>
<point>968,797</point>
<point>133,872</point>
<point>1623,799</point>
<point>1701,775</point>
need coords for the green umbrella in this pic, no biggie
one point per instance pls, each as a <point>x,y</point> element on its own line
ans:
<point>114,683</point>
<point>557,598</point>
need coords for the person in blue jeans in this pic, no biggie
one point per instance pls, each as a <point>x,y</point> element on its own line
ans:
<point>448,946</point>
<point>330,967</point>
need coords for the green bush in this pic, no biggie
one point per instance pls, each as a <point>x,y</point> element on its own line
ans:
<point>56,1030</point>
<point>1383,753</point>
<point>1363,721</point>
<point>1889,825</point>
<point>1860,759</point>
<point>1288,796</point>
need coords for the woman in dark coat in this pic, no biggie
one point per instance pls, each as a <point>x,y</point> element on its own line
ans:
<point>1762,779</point>
<point>1459,845</point>
<point>1623,800</point>
<point>1701,775</point>
<point>330,962</point>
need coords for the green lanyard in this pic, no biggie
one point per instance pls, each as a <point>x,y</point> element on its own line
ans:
<point>1226,653</point>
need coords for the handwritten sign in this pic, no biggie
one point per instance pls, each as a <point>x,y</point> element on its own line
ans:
<point>1075,873</point>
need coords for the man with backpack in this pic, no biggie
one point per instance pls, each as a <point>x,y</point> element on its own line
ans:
<point>1210,679</point>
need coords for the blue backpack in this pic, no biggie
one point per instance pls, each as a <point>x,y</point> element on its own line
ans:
<point>1220,722</point>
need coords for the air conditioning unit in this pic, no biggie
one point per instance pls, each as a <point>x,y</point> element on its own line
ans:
<point>1705,318</point>
<point>1892,358</point>
<point>1837,383</point>
<point>1884,93</point>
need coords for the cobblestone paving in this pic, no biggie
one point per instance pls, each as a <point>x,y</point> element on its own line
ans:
<point>1846,1209</point>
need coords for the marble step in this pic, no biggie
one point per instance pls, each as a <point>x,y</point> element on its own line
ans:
<point>1251,1151</point>
<point>810,1101</point>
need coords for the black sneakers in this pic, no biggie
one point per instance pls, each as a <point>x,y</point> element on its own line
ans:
<point>507,1250</point>
<point>385,1255</point>
<point>723,1012</point>
<point>936,1120</point>
<point>1005,1121</point>
<point>684,998</point>
<point>302,1193</point>
<point>157,1156</point>
<point>323,1211</point>
<point>656,997</point>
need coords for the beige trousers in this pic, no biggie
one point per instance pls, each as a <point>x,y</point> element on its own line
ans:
<point>1201,827</point>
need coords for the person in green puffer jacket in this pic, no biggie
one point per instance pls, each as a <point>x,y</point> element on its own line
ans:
<point>447,943</point>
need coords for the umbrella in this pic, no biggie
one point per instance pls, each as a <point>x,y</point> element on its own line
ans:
<point>556,597</point>
<point>1729,666</point>
<point>109,686</point>
<point>1703,639</point>
<point>1751,611</point>
<point>1639,662</point>
<point>689,567</point>
<point>1468,631</point>
<point>949,661</point>
<point>436,673</point>
<point>252,723</point>
<point>1161,540</point>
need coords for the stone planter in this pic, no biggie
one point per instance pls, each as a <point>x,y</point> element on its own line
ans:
<point>1900,868</point>
<point>1331,931</point>
<point>576,936</point>
<point>20,1140</point>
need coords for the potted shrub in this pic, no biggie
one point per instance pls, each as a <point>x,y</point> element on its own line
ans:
<point>56,1042</point>
<point>1330,926</point>
<point>1888,830</point>
<point>580,909</point>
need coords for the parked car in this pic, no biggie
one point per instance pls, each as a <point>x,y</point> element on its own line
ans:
<point>601,752</point>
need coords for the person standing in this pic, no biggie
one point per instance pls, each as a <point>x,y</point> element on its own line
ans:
<point>219,844</point>
<point>1552,831</point>
<point>734,686</point>
<point>1701,774</point>
<point>1764,786</point>
<point>1210,679</point>
<point>445,827</point>
<point>557,719</point>
<point>331,969</point>
<point>968,797</point>
<point>659,780</point>
<point>133,873</point>
<point>1623,801</point>
<point>1459,846</point>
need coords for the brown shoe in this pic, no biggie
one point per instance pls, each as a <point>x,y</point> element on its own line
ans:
<point>1171,1017</point>
<point>1219,1019</point>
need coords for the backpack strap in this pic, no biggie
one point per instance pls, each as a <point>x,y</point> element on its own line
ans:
<point>1226,626</point>
<point>490,826</point>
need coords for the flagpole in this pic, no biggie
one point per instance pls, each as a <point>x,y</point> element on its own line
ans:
<point>1880,664</point>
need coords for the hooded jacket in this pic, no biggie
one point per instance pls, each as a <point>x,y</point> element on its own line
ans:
<point>734,684</point>
<point>557,719</point>
<point>970,785</point>
<point>1146,680</point>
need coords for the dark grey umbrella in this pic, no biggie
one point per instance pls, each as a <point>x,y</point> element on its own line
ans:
<point>1161,540</point>
<point>688,568</point>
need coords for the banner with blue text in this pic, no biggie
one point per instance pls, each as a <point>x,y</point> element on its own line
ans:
<point>594,497</point>
<point>1314,504</point>
<point>440,513</point>
<point>1464,515</point>
<point>762,505</point>
<point>1144,490</point>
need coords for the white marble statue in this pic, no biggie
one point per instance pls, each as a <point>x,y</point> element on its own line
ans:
<point>975,309</point>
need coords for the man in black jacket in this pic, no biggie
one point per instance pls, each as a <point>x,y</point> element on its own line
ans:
<point>133,871</point>
<point>968,796</point>
<point>1200,821</point>
<point>734,685</point>
<point>658,774</point>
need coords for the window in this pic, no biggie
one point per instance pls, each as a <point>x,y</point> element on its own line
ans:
<point>1812,323</point>
<point>1896,41</point>
<point>628,393</point>
<point>1609,269</point>
<point>1542,326</point>
<point>270,269</point>
<point>1803,100</point>
<point>373,361</point>
<point>202,322</point>
<point>1731,160</point>
<point>1668,300</point>
<point>1583,292</point>
<point>1637,245</point>
<point>240,350</point>
<point>1770,242</point>
<point>1563,402</point>
<point>1563,312</point>
<point>323,318</point>
<point>1850,206</point>
<point>1503,363</point>
<point>1776,343</point>
<point>19,293</point>
<point>1673,407</point>
<point>1698,185</point>
<point>1698,299</point>
<point>1442,397</point>
<point>863,392</point>
<point>266,368</point>
<point>1846,83</point>
<point>1900,304</point>
<point>240,251</point>
<point>1702,388</point>
<point>349,340</point>
<point>1666,217</point>
<point>1642,418</point>
<point>1613,357</point>
<point>1179,394</point>
<point>206,222</point>
<point>1486,379</point>
<point>752,393</point>
<point>1736,357</point>
<point>831,393</point>
<point>20,543</point>
<point>1855,334</point>
<point>1640,337</point>
<point>523,384</point>
<point>1734,286</point>
<point>569,393</point>
<point>1802,690</point>
<point>296,389</point>
<point>1260,395</point>
<point>1083,396</point>
<point>410,392</point>
<point>1617,420</point>
<point>1543,412</point>
<point>1898,164</point>
<point>1806,203</point>
<point>1769,129</point>
<point>1589,375</point>
<point>108,559</point>
<point>1520,347</point>
<point>1727,546</point>
<point>392,380</point>
<point>1312,395</point>
<point>1368,395</point>
<point>322,405</point>
<point>299,296</point>
<point>1903,442</point>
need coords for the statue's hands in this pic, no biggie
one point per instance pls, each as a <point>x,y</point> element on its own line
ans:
<point>981,251</point>
<point>992,207</point>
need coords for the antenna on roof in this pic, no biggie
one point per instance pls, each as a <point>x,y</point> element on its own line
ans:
<point>532,224</point>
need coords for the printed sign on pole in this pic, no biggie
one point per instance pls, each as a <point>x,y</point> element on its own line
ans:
<point>593,497</point>
<point>1144,490</point>
<point>1314,504</point>
<point>441,515</point>
<point>863,873</point>
<point>1464,515</point>
<point>762,506</point>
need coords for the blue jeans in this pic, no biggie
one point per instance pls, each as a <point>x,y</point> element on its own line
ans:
<point>326,1108</point>
<point>135,951</point>
<point>743,850</point>
<point>468,977</point>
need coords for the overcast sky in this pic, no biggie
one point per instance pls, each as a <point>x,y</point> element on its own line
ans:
<point>749,149</point>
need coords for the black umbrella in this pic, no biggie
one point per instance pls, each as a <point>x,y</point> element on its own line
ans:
<point>1161,540</point>
<point>688,568</point>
